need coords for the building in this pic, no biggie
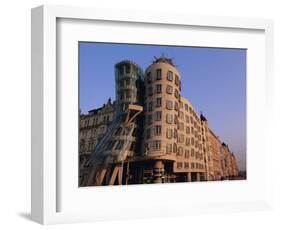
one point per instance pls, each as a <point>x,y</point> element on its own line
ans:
<point>228,163</point>
<point>166,140</point>
<point>93,126</point>
<point>215,152</point>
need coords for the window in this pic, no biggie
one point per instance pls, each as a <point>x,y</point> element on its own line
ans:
<point>128,81</point>
<point>176,119</point>
<point>187,130</point>
<point>177,80</point>
<point>192,152</point>
<point>175,148</point>
<point>177,93</point>
<point>157,130</point>
<point>187,141</point>
<point>110,146</point>
<point>148,133</point>
<point>170,76</point>
<point>169,133</point>
<point>181,104</point>
<point>128,93</point>
<point>128,68</point>
<point>181,138</point>
<point>187,118</point>
<point>192,165</point>
<point>186,164</point>
<point>158,102</point>
<point>133,145</point>
<point>169,118</point>
<point>150,105</point>
<point>181,126</point>
<point>158,74</point>
<point>149,91</point>
<point>176,106</point>
<point>149,78</point>
<point>181,115</point>
<point>186,107</point>
<point>169,89</point>
<point>159,88</point>
<point>192,141</point>
<point>121,95</point>
<point>120,145</point>
<point>180,151</point>
<point>169,148</point>
<point>121,83</point>
<point>158,115</point>
<point>186,153</point>
<point>169,104</point>
<point>157,145</point>
<point>175,133</point>
<point>118,131</point>
<point>179,165</point>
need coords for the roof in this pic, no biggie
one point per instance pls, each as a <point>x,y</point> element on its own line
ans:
<point>128,62</point>
<point>164,60</point>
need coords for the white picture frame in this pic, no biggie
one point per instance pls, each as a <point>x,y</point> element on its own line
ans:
<point>47,175</point>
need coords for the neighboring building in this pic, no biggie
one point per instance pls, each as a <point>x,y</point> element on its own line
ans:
<point>228,162</point>
<point>214,149</point>
<point>234,166</point>
<point>175,142</point>
<point>93,126</point>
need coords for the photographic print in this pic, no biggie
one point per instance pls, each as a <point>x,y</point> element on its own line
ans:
<point>151,114</point>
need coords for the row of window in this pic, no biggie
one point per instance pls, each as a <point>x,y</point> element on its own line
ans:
<point>159,75</point>
<point>189,153</point>
<point>126,82</point>
<point>173,148</point>
<point>86,147</point>
<point>92,132</point>
<point>95,121</point>
<point>120,144</point>
<point>170,105</point>
<point>192,165</point>
<point>126,69</point>
<point>158,89</point>
<point>127,94</point>
<point>169,119</point>
<point>153,145</point>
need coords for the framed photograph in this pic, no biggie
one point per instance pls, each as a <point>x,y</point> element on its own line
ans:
<point>141,114</point>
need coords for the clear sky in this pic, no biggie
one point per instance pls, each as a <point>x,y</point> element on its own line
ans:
<point>213,79</point>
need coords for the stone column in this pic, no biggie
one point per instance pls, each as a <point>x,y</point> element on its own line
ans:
<point>189,177</point>
<point>198,176</point>
<point>157,171</point>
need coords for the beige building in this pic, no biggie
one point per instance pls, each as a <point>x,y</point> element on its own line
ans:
<point>176,143</point>
<point>228,163</point>
<point>214,149</point>
<point>173,137</point>
<point>93,126</point>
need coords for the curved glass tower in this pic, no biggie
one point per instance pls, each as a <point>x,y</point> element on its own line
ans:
<point>106,164</point>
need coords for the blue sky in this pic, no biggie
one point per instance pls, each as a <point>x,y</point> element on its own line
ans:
<point>213,79</point>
